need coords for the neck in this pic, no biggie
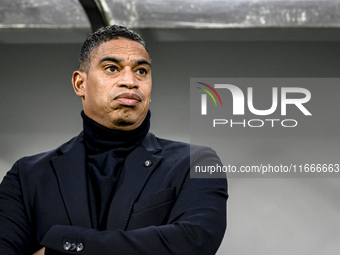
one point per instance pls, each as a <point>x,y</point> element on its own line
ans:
<point>99,139</point>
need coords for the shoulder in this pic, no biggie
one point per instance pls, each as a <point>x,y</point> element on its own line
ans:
<point>151,141</point>
<point>177,149</point>
<point>43,159</point>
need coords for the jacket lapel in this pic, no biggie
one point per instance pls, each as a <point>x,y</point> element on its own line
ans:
<point>70,171</point>
<point>136,171</point>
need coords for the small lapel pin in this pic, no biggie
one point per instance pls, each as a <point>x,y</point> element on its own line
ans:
<point>147,163</point>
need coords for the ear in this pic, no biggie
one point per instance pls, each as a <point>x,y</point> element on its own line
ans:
<point>79,81</point>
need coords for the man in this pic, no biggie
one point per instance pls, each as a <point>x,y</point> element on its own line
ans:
<point>115,188</point>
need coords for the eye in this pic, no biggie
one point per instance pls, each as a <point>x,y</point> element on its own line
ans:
<point>112,68</point>
<point>142,71</point>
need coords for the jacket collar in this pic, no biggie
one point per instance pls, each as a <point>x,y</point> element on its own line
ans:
<point>70,168</point>
<point>137,169</point>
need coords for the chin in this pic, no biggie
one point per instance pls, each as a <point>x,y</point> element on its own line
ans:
<point>127,120</point>
<point>124,124</point>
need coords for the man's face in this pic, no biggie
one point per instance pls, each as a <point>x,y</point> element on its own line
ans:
<point>116,89</point>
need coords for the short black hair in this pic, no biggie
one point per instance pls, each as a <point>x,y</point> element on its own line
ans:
<point>102,35</point>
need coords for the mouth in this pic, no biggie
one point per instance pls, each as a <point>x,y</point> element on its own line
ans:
<point>128,99</point>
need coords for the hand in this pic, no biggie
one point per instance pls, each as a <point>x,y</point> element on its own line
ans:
<point>40,252</point>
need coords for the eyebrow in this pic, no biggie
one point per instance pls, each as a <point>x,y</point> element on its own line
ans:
<point>143,62</point>
<point>117,60</point>
<point>111,59</point>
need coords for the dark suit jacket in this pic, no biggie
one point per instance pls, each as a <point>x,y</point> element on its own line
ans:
<point>156,209</point>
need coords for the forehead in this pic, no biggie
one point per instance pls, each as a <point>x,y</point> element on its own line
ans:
<point>121,47</point>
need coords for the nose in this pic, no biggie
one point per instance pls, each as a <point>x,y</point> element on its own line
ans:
<point>128,80</point>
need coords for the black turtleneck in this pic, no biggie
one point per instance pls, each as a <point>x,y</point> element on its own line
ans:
<point>106,150</point>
